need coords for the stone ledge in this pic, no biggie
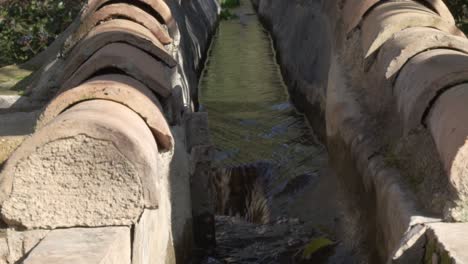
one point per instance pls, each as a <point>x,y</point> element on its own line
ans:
<point>436,243</point>
<point>83,245</point>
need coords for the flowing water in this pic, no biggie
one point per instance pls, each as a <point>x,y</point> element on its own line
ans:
<point>253,122</point>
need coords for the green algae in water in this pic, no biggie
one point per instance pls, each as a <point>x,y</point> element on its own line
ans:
<point>252,121</point>
<point>249,112</point>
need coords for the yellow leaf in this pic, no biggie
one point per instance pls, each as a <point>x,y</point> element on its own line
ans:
<point>314,246</point>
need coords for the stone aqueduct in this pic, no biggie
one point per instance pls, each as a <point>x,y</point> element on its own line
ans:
<point>117,169</point>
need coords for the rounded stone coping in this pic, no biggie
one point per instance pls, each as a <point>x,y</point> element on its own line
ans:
<point>120,11</point>
<point>117,88</point>
<point>447,123</point>
<point>129,59</point>
<point>422,78</point>
<point>158,6</point>
<point>113,31</point>
<point>135,14</point>
<point>404,45</point>
<point>354,11</point>
<point>102,137</point>
<point>391,17</point>
<point>441,8</point>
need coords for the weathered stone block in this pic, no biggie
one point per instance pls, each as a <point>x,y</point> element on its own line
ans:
<point>174,106</point>
<point>19,243</point>
<point>180,200</point>
<point>106,245</point>
<point>197,130</point>
<point>411,249</point>
<point>95,165</point>
<point>447,241</point>
<point>203,207</point>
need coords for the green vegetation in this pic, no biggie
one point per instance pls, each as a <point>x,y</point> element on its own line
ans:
<point>226,14</point>
<point>10,76</point>
<point>230,3</point>
<point>459,10</point>
<point>226,5</point>
<point>316,245</point>
<point>28,27</point>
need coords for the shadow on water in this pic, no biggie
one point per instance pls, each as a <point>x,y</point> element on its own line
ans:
<point>261,141</point>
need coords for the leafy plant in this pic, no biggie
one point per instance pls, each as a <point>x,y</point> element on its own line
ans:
<point>315,245</point>
<point>459,9</point>
<point>230,3</point>
<point>226,5</point>
<point>226,14</point>
<point>28,27</point>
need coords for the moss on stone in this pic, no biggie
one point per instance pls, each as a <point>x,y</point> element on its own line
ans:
<point>430,249</point>
<point>445,258</point>
<point>10,79</point>
<point>8,145</point>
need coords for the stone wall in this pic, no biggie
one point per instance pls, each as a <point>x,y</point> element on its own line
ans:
<point>105,175</point>
<point>382,82</point>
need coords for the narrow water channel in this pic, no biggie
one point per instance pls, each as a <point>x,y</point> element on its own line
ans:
<point>256,131</point>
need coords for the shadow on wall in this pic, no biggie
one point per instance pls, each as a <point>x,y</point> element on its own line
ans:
<point>303,42</point>
<point>178,184</point>
<point>192,39</point>
<point>192,18</point>
<point>445,121</point>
